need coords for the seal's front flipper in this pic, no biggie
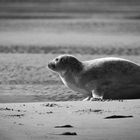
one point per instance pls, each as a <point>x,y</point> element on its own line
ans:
<point>87,99</point>
<point>96,96</point>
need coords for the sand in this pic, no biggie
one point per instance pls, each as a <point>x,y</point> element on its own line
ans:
<point>85,120</point>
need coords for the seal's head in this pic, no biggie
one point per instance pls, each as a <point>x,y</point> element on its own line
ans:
<point>65,63</point>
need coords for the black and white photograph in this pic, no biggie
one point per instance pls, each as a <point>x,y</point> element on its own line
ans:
<point>69,69</point>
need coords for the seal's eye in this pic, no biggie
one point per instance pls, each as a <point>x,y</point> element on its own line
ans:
<point>56,59</point>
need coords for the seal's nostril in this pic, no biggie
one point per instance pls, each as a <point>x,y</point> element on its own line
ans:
<point>51,65</point>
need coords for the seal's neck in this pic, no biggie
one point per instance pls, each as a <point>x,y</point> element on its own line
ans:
<point>68,78</point>
<point>63,73</point>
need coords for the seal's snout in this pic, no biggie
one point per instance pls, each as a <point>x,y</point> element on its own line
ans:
<point>51,65</point>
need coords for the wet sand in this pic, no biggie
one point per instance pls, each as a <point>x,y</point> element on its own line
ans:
<point>98,120</point>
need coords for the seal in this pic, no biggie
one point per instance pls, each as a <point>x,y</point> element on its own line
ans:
<point>103,78</point>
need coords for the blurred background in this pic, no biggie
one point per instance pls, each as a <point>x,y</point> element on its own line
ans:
<point>32,32</point>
